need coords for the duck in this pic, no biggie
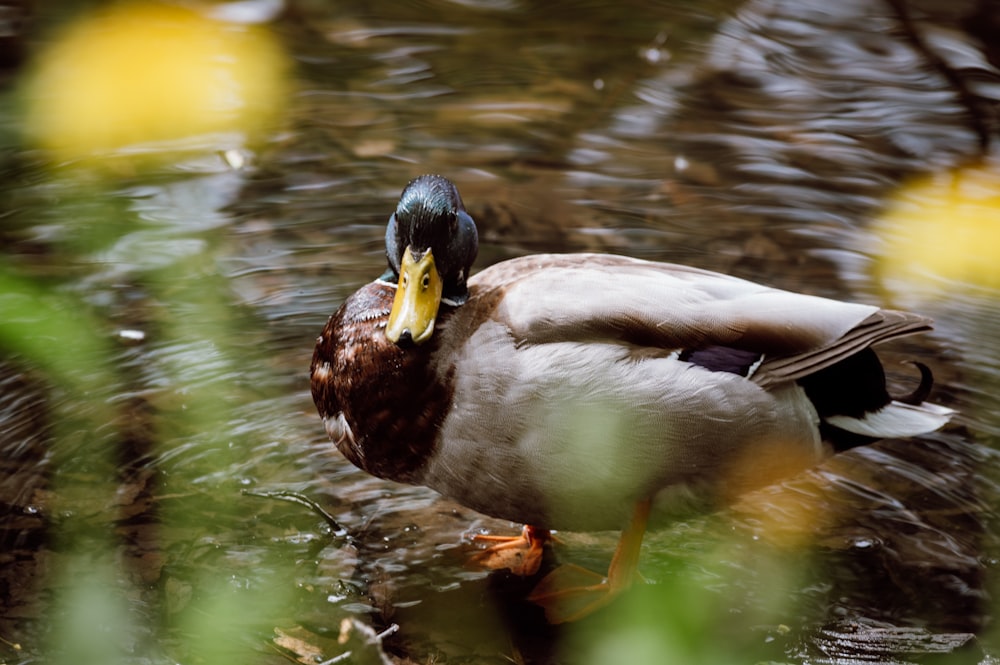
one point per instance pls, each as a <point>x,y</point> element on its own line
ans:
<point>589,392</point>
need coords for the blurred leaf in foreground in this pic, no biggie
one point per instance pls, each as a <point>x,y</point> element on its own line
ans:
<point>946,226</point>
<point>146,73</point>
<point>54,331</point>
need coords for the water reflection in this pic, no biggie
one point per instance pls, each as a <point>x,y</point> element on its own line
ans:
<point>760,143</point>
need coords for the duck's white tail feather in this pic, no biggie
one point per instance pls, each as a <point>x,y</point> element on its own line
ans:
<point>896,419</point>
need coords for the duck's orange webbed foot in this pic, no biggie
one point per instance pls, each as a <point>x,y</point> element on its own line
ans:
<point>570,593</point>
<point>522,554</point>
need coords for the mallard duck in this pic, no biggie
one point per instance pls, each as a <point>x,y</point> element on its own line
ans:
<point>589,391</point>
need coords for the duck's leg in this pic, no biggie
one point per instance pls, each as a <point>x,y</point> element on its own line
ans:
<point>521,554</point>
<point>570,592</point>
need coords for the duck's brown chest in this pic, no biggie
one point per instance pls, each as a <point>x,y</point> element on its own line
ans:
<point>390,397</point>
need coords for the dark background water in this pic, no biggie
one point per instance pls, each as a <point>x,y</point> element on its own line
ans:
<point>762,139</point>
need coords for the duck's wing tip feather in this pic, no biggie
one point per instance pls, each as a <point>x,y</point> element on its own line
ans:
<point>879,326</point>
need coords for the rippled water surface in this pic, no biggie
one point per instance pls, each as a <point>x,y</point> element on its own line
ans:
<point>155,411</point>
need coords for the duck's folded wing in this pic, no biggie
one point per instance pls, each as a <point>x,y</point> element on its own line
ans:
<point>590,297</point>
<point>879,326</point>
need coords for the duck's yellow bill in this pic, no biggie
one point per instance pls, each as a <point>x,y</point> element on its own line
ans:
<point>418,297</point>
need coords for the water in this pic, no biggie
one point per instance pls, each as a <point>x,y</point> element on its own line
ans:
<point>760,139</point>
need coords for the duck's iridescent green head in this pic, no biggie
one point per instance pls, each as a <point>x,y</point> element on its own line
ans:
<point>430,244</point>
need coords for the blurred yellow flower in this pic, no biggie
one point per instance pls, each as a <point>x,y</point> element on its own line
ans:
<point>945,227</point>
<point>147,73</point>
